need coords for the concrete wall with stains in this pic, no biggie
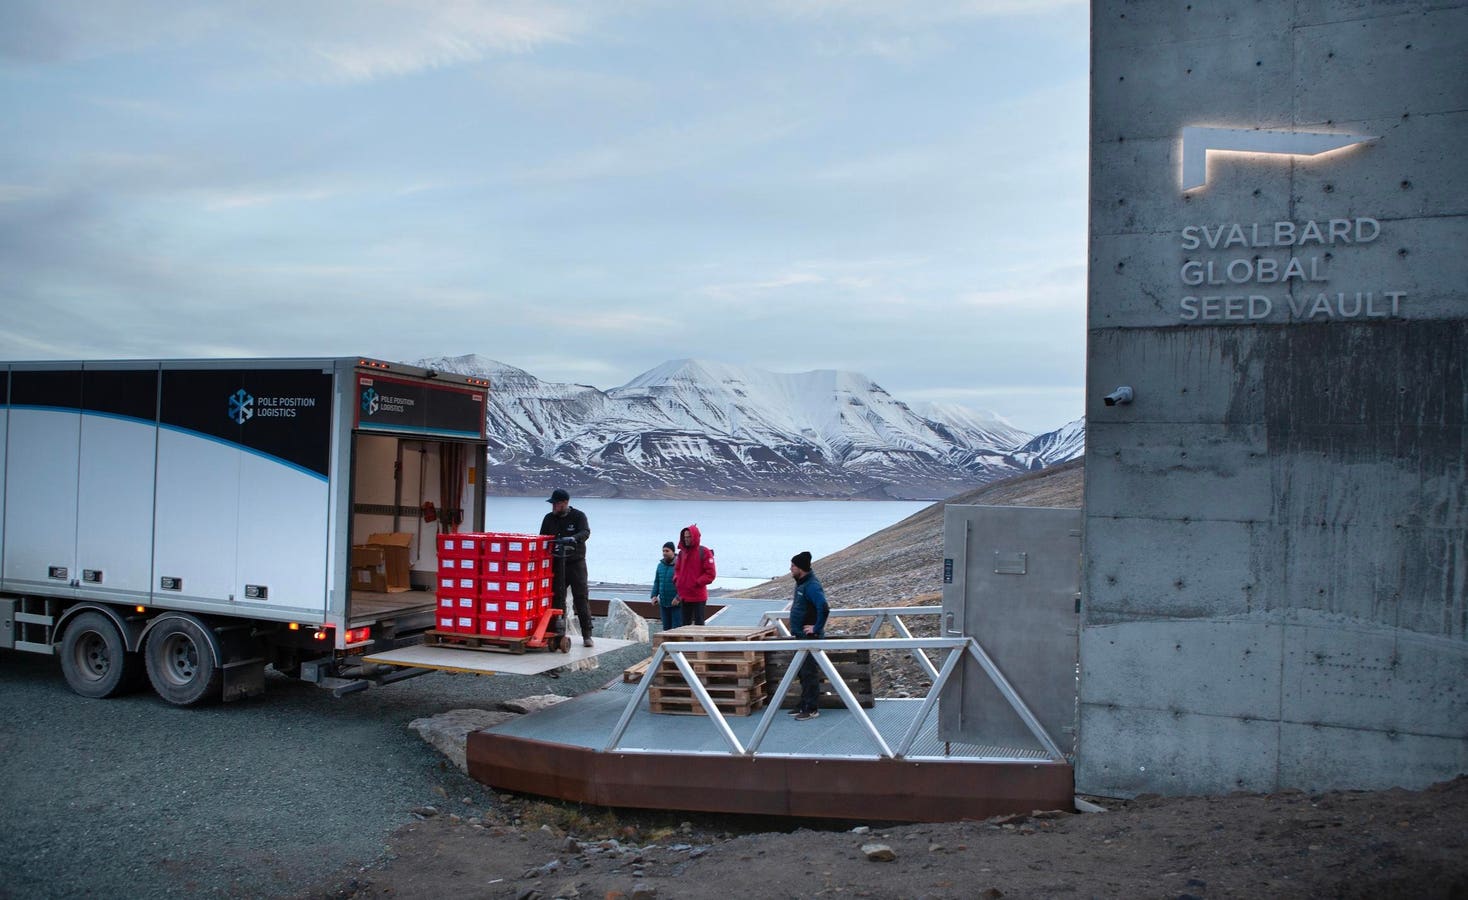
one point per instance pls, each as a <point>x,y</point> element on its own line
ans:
<point>1276,543</point>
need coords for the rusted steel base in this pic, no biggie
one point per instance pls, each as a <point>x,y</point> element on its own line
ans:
<point>644,608</point>
<point>885,790</point>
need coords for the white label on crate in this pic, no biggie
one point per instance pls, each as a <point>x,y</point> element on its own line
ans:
<point>512,606</point>
<point>491,586</point>
<point>490,606</point>
<point>513,586</point>
<point>466,602</point>
<point>492,566</point>
<point>514,567</point>
<point>466,584</point>
<point>496,547</point>
<point>489,627</point>
<point>512,625</point>
<point>515,546</point>
<point>466,622</point>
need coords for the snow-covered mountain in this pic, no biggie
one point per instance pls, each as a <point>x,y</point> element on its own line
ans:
<point>700,428</point>
<point>1054,447</point>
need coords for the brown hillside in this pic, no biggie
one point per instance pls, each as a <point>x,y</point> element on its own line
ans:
<point>903,564</point>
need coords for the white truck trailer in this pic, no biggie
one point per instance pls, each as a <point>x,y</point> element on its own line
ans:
<point>189,522</point>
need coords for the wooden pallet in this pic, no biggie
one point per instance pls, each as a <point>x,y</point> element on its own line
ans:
<point>746,690</point>
<point>714,633</point>
<point>854,666</point>
<point>744,666</point>
<point>633,673</point>
<point>691,707</point>
<point>735,678</point>
<point>485,642</point>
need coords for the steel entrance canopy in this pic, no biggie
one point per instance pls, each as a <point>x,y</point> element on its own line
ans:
<point>886,763</point>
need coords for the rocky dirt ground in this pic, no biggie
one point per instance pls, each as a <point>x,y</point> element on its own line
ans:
<point>1339,844</point>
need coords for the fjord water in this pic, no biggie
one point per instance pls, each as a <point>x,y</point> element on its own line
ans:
<point>752,540</point>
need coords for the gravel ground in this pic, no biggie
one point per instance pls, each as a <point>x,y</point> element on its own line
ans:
<point>133,798</point>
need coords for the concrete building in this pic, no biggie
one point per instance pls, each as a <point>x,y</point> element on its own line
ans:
<point>1276,537</point>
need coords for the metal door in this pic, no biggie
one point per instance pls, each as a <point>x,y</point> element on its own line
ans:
<point>1011,580</point>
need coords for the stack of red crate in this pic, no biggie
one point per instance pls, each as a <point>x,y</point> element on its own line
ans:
<point>493,584</point>
<point>460,559</point>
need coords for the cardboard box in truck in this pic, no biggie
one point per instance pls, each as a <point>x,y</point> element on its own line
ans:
<point>395,547</point>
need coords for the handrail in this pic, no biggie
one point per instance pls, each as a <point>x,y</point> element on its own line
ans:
<point>956,647</point>
<point>879,615</point>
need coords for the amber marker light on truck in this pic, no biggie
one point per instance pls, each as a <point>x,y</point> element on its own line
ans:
<point>141,608</point>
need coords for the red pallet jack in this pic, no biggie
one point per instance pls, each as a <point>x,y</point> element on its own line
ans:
<point>539,640</point>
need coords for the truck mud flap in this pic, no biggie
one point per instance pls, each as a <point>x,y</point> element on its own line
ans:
<point>244,678</point>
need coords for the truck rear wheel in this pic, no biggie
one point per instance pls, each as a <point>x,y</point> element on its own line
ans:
<point>94,658</point>
<point>181,663</point>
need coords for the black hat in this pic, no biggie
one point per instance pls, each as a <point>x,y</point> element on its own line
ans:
<point>668,545</point>
<point>801,560</point>
<point>558,495</point>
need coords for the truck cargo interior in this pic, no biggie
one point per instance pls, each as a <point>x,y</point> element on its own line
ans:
<point>398,507</point>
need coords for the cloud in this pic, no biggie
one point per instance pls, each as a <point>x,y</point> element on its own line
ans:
<point>363,41</point>
<point>693,143</point>
<point>920,13</point>
<point>328,41</point>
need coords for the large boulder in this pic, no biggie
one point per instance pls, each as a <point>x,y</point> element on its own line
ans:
<point>449,732</point>
<point>531,704</point>
<point>625,625</point>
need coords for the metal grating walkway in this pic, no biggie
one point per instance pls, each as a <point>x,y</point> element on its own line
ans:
<point>587,721</point>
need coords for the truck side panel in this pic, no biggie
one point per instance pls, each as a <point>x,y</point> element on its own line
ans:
<point>41,494</point>
<point>196,527</point>
<point>4,442</point>
<point>243,489</point>
<point>283,535</point>
<point>119,448</point>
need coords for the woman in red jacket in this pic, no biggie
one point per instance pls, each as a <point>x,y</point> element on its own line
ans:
<point>693,572</point>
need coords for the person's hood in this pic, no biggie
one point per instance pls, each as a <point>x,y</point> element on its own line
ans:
<point>694,535</point>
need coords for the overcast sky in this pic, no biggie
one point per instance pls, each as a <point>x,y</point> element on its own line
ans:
<point>580,189</point>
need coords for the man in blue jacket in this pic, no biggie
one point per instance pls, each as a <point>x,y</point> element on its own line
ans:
<point>808,612</point>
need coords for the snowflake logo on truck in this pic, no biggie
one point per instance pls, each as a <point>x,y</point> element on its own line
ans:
<point>369,401</point>
<point>241,407</point>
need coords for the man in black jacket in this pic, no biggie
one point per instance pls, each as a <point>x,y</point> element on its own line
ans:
<point>569,527</point>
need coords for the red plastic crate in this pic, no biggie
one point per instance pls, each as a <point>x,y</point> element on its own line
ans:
<point>519,608</point>
<point>492,566</point>
<point>517,627</point>
<point>520,547</point>
<point>446,621</point>
<point>451,565</point>
<point>458,585</point>
<point>469,544</point>
<point>503,589</point>
<point>489,606</point>
<point>525,569</point>
<point>489,626</point>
